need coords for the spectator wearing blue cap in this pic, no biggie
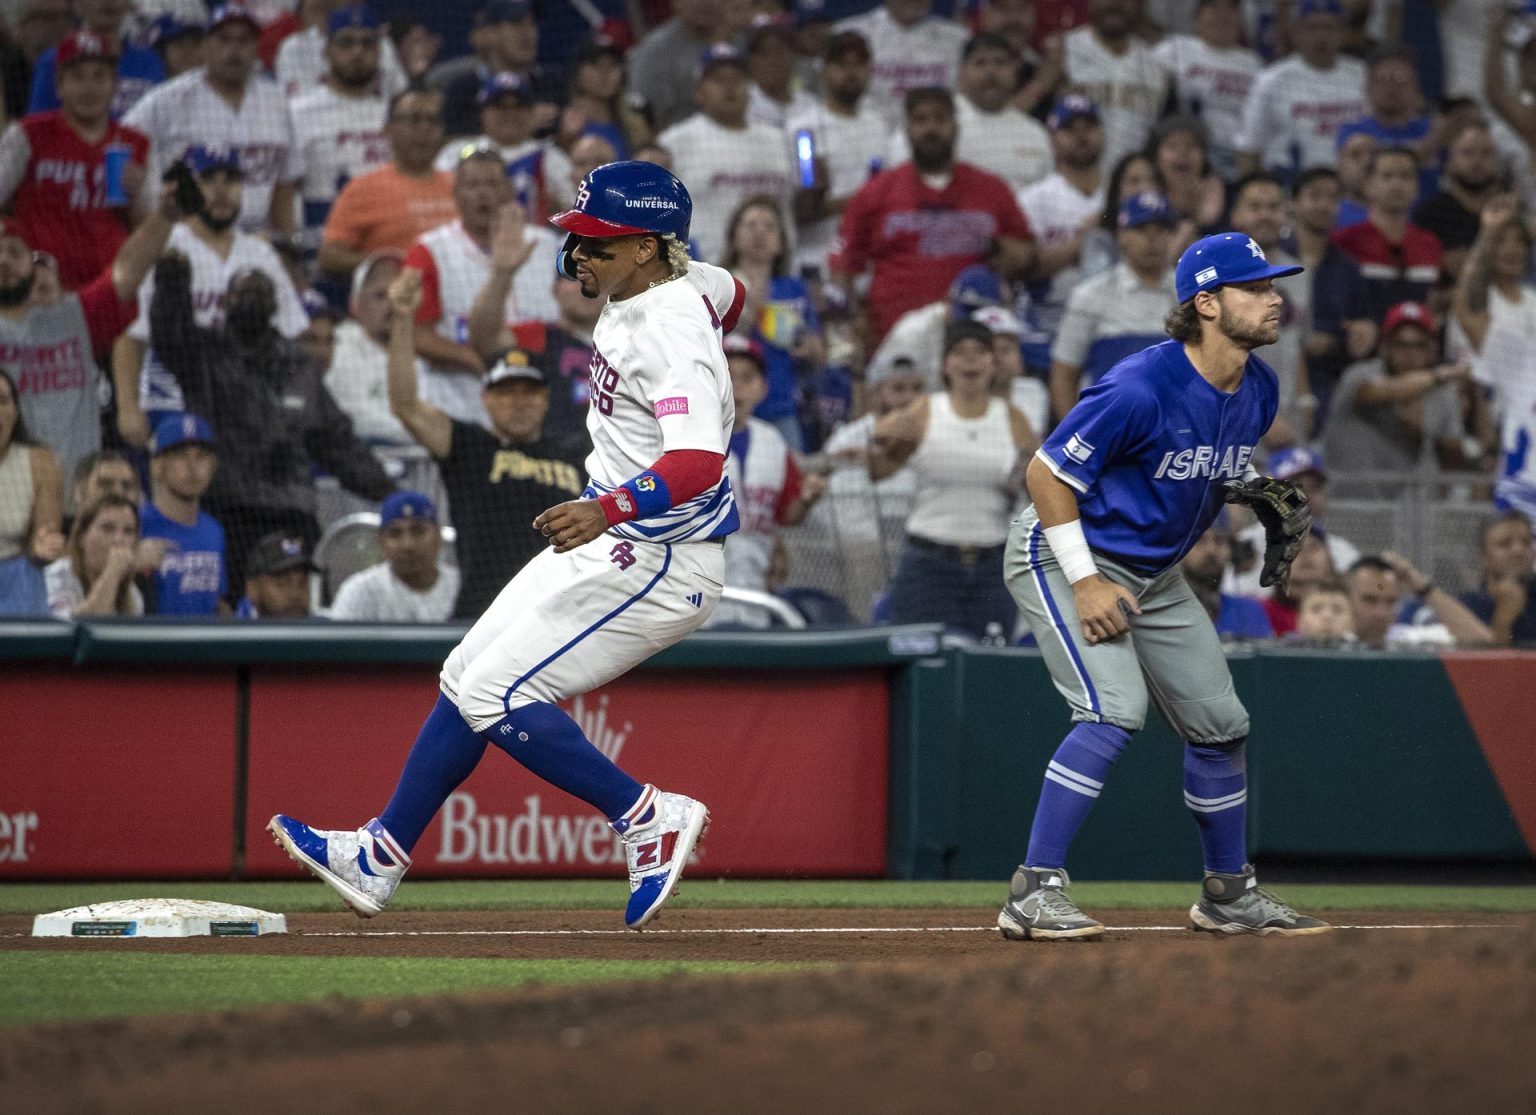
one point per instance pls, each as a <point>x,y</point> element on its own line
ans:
<point>1109,62</point>
<point>189,578</point>
<point>662,66</point>
<point>217,251</point>
<point>139,69</point>
<point>504,39</point>
<point>848,137</point>
<point>723,156</point>
<point>1295,107</point>
<point>306,61</point>
<point>229,102</point>
<point>539,171</point>
<point>412,584</point>
<point>913,47</point>
<point>1063,209</point>
<point>1212,73</point>
<point>1120,311</point>
<point>178,41</point>
<point>338,121</point>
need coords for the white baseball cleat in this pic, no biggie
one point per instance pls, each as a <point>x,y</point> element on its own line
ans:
<point>364,866</point>
<point>659,833</point>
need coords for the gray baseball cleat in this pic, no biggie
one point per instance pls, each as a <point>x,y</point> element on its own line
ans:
<point>1237,904</point>
<point>1038,909</point>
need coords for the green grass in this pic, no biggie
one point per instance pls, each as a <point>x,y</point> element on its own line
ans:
<point>57,987</point>
<point>609,894</point>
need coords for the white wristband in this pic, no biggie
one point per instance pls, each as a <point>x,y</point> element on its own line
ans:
<point>1071,550</point>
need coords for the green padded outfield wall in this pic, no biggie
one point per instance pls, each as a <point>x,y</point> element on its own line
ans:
<point>1351,756</point>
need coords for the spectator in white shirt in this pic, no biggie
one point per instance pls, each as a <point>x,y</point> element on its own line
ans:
<point>305,56</point>
<point>848,136</point>
<point>770,51</point>
<point>913,49</point>
<point>1212,74</point>
<point>1109,63</point>
<point>723,157</point>
<point>994,135</point>
<point>410,585</point>
<point>537,168</point>
<point>358,374</point>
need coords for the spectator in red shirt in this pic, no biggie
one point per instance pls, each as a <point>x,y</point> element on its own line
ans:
<point>53,165</point>
<point>1399,262</point>
<point>920,224</point>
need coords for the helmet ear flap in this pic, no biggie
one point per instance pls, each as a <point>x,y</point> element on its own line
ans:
<point>565,266</point>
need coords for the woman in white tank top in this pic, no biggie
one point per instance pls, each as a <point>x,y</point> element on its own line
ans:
<point>31,505</point>
<point>966,448</point>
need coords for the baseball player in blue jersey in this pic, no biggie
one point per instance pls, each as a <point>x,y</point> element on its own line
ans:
<point>1122,489</point>
<point>633,566</point>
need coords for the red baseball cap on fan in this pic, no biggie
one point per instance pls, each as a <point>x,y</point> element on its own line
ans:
<point>1407,313</point>
<point>84,46</point>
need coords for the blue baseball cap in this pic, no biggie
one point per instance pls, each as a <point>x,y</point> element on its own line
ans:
<point>1146,208</point>
<point>501,85</point>
<point>359,17</point>
<point>712,58</point>
<point>175,430</point>
<point>407,505</point>
<point>1319,7</point>
<point>975,287</point>
<point>1295,460</point>
<point>167,28</point>
<point>1074,106</point>
<point>1227,257</point>
<point>206,160</point>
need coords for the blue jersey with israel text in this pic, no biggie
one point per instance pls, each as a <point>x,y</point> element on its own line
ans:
<point>1148,447</point>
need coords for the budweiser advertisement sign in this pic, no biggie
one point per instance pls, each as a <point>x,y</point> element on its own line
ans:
<point>792,767</point>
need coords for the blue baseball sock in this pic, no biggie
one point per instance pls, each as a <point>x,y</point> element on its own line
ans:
<point>1073,780</point>
<point>445,752</point>
<point>549,743</point>
<point>1216,791</point>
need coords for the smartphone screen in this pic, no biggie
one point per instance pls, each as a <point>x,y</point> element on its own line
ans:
<point>805,155</point>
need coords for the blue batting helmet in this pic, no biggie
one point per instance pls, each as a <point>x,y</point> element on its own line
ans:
<point>627,198</point>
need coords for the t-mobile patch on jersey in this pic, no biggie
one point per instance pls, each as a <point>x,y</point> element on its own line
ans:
<point>675,405</point>
<point>1078,449</point>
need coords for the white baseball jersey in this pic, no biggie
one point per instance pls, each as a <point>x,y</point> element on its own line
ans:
<point>211,273</point>
<point>459,269</point>
<point>358,379</point>
<point>1129,88</point>
<point>722,168</point>
<point>1010,144</point>
<point>376,595</point>
<point>850,146</point>
<point>1055,209</point>
<point>337,139</point>
<point>659,383</point>
<point>569,623</point>
<point>301,64</point>
<point>763,109</point>
<point>1212,84</point>
<point>925,53</point>
<point>186,112</point>
<point>1294,112</point>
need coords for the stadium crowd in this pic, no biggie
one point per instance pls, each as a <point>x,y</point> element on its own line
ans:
<point>949,219</point>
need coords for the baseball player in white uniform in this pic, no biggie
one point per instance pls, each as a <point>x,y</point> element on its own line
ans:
<point>633,566</point>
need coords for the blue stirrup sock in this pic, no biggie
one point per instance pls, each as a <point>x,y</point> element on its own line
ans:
<point>1216,791</point>
<point>1073,779</point>
<point>446,751</point>
<point>550,744</point>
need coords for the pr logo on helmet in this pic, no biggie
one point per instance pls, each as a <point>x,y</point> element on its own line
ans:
<point>582,194</point>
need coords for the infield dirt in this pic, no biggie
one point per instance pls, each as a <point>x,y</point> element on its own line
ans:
<point>1409,1020</point>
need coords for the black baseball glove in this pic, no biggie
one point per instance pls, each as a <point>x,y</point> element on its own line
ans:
<point>189,195</point>
<point>1282,508</point>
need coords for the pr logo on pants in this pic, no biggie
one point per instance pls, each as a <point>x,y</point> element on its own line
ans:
<point>622,554</point>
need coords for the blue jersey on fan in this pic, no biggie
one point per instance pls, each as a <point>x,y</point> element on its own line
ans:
<point>192,574</point>
<point>1147,450</point>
